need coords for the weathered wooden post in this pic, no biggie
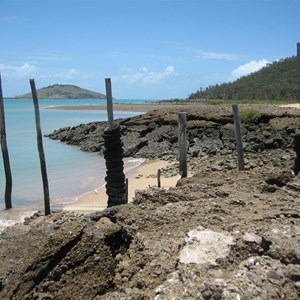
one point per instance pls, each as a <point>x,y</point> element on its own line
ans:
<point>113,154</point>
<point>40,147</point>
<point>158,178</point>
<point>5,154</point>
<point>182,144</point>
<point>298,60</point>
<point>238,136</point>
<point>296,167</point>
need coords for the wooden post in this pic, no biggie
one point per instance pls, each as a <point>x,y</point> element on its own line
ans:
<point>158,178</point>
<point>110,111</point>
<point>40,147</point>
<point>182,144</point>
<point>238,136</point>
<point>298,58</point>
<point>5,155</point>
<point>127,189</point>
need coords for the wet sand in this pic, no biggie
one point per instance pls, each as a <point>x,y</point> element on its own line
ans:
<point>139,178</point>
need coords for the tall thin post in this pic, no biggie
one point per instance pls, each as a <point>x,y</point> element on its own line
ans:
<point>40,147</point>
<point>158,178</point>
<point>5,155</point>
<point>182,144</point>
<point>110,111</point>
<point>298,58</point>
<point>238,136</point>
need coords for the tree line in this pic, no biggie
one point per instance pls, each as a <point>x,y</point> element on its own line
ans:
<point>276,81</point>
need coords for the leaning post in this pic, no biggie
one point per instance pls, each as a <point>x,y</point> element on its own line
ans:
<point>5,154</point>
<point>40,147</point>
<point>238,136</point>
<point>182,144</point>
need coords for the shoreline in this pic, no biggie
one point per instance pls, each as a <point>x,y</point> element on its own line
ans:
<point>145,107</point>
<point>139,178</point>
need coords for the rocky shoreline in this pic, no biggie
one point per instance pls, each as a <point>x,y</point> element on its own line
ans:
<point>221,234</point>
<point>210,133</point>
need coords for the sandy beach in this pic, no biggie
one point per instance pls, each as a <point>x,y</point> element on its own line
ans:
<point>294,105</point>
<point>145,107</point>
<point>120,107</point>
<point>139,178</point>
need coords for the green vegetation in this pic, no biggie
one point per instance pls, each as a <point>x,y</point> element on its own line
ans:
<point>64,91</point>
<point>250,116</point>
<point>277,81</point>
<point>248,101</point>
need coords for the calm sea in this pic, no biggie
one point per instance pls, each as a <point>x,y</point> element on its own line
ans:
<point>71,172</point>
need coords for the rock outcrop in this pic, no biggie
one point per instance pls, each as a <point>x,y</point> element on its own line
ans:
<point>210,131</point>
<point>220,234</point>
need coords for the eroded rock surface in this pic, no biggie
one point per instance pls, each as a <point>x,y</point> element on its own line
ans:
<point>217,235</point>
<point>221,234</point>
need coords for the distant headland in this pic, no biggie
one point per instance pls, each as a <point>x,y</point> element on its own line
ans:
<point>64,91</point>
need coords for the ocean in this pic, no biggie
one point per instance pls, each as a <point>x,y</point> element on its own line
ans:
<point>71,172</point>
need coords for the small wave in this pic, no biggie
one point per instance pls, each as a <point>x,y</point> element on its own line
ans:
<point>15,219</point>
<point>133,164</point>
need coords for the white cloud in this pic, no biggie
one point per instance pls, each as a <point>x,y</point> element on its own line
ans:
<point>18,70</point>
<point>248,68</point>
<point>72,73</point>
<point>215,55</point>
<point>145,76</point>
<point>200,54</point>
<point>26,69</point>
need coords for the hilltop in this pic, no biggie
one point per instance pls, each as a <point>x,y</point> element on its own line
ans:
<point>276,81</point>
<point>64,91</point>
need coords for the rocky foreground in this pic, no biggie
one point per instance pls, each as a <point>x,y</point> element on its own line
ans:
<point>221,234</point>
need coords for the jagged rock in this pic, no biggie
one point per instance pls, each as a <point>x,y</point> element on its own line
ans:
<point>134,251</point>
<point>210,131</point>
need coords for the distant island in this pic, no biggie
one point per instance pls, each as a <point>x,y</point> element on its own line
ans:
<point>64,91</point>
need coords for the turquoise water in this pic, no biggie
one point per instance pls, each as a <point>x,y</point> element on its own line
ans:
<point>71,172</point>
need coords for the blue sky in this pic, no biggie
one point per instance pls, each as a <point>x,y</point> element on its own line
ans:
<point>151,49</point>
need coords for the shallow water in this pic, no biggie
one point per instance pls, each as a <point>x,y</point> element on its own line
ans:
<point>71,172</point>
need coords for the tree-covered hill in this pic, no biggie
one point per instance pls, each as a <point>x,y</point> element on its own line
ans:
<point>276,81</point>
<point>65,91</point>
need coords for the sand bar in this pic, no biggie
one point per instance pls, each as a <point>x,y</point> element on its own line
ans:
<point>145,107</point>
<point>139,178</point>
